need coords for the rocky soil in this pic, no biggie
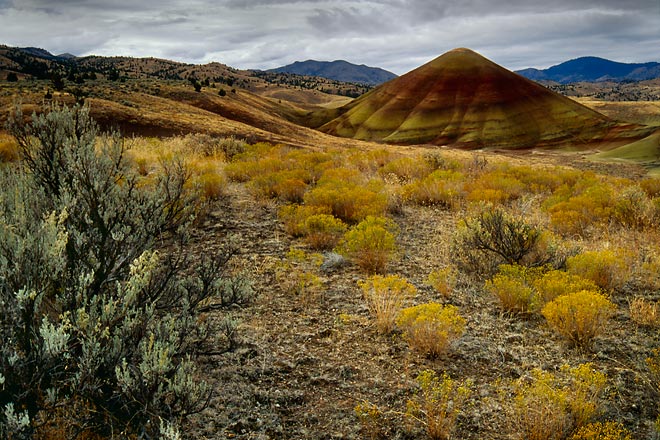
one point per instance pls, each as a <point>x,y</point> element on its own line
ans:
<point>300,365</point>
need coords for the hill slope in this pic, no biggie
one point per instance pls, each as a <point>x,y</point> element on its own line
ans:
<point>463,99</point>
<point>593,69</point>
<point>339,70</point>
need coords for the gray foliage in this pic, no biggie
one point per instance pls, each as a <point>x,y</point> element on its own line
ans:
<point>95,319</point>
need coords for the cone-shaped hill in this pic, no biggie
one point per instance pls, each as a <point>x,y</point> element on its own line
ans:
<point>463,99</point>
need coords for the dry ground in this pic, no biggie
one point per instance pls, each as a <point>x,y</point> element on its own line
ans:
<point>303,364</point>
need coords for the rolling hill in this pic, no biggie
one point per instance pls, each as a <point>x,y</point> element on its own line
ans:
<point>592,69</point>
<point>339,70</point>
<point>463,99</point>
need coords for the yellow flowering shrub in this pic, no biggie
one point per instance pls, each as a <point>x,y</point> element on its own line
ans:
<point>609,269</point>
<point>550,406</point>
<point>513,287</point>
<point>371,243</point>
<point>431,328</point>
<point>579,316</point>
<point>323,231</point>
<point>602,431</point>
<point>438,403</point>
<point>442,280</point>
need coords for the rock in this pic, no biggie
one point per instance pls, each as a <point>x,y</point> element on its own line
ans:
<point>332,261</point>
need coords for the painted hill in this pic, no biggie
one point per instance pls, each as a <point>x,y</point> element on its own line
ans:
<point>593,69</point>
<point>463,99</point>
<point>339,70</point>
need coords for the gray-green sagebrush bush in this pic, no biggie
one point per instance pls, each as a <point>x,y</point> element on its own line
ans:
<point>98,330</point>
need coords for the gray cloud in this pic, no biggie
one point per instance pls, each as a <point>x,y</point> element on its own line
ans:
<point>394,34</point>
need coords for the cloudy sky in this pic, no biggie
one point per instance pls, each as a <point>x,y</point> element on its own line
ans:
<point>397,35</point>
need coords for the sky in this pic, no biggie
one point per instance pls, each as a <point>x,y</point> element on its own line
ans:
<point>397,35</point>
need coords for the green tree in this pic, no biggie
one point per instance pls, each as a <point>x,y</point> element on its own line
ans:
<point>12,77</point>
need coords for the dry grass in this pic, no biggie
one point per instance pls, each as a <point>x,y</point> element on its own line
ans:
<point>644,312</point>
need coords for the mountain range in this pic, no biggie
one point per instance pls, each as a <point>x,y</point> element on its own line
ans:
<point>593,69</point>
<point>460,99</point>
<point>339,70</point>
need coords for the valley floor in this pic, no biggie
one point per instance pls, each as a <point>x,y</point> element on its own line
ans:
<point>303,362</point>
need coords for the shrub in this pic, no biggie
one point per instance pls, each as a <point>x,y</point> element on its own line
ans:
<point>431,328</point>
<point>8,149</point>
<point>493,237</point>
<point>212,185</point>
<point>602,431</point>
<point>94,319</point>
<point>288,185</point>
<point>323,231</point>
<point>555,283</point>
<point>438,403</point>
<point>576,209</point>
<point>442,280</point>
<point>406,169</point>
<point>644,312</point>
<point>579,316</point>
<point>513,287</point>
<point>294,217</point>
<point>607,268</point>
<point>495,187</point>
<point>633,208</point>
<point>548,406</point>
<point>348,196</point>
<point>651,186</point>
<point>384,297</point>
<point>371,420</point>
<point>440,188</point>
<point>540,408</point>
<point>370,243</point>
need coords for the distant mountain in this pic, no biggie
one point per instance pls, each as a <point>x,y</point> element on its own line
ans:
<point>463,99</point>
<point>339,70</point>
<point>593,69</point>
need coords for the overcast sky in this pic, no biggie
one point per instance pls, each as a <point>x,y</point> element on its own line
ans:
<point>397,35</point>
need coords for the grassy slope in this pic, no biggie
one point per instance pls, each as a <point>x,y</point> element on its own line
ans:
<point>463,99</point>
<point>163,108</point>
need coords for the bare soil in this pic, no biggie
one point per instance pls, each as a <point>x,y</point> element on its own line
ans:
<point>301,365</point>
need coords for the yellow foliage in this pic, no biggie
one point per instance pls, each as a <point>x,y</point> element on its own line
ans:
<point>347,195</point>
<point>323,231</point>
<point>443,281</point>
<point>579,316</point>
<point>370,417</point>
<point>440,188</point>
<point>513,287</point>
<point>384,296</point>
<point>438,403</point>
<point>651,186</point>
<point>431,328</point>
<point>293,217</point>
<point>370,243</point>
<point>288,185</point>
<point>555,283</point>
<point>8,149</point>
<point>548,406</point>
<point>406,169</point>
<point>602,431</point>
<point>496,186</point>
<point>609,269</point>
<point>212,185</point>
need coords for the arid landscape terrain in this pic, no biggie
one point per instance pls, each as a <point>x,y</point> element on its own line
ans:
<point>459,252</point>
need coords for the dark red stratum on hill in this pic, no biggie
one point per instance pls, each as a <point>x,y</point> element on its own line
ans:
<point>464,99</point>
